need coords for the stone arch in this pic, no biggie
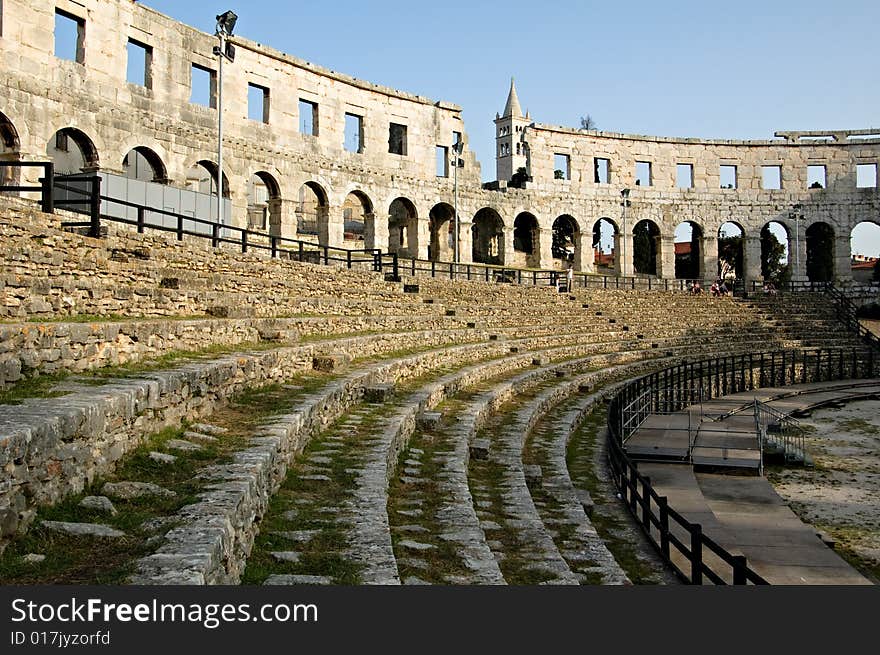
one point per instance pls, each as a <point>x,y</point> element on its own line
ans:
<point>864,250</point>
<point>263,204</point>
<point>403,227</point>
<point>565,247</point>
<point>645,247</point>
<point>358,219</point>
<point>603,246</point>
<point>68,159</point>
<point>143,163</point>
<point>312,210</point>
<point>731,250</point>
<point>526,236</point>
<point>487,243</point>
<point>202,177</point>
<point>440,225</point>
<point>689,255</point>
<point>10,150</point>
<point>776,250</point>
<point>820,252</point>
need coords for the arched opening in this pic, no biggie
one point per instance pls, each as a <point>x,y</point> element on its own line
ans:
<point>820,252</point>
<point>10,150</point>
<point>357,218</point>
<point>264,210</point>
<point>604,237</point>
<point>645,236</point>
<point>731,250</point>
<point>487,245</point>
<point>311,209</point>
<point>403,228</point>
<point>865,249</point>
<point>72,151</point>
<point>525,240</point>
<point>688,251</point>
<point>566,241</point>
<point>441,226</point>
<point>142,163</point>
<point>202,178</point>
<point>774,254</point>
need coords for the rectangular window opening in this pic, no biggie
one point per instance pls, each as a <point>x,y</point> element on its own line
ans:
<point>308,117</point>
<point>816,176</point>
<point>397,139</point>
<point>442,161</point>
<point>866,176</point>
<point>602,170</point>
<point>354,133</point>
<point>643,173</point>
<point>139,64</point>
<point>771,177</point>
<point>727,174</point>
<point>684,176</point>
<point>258,103</point>
<point>561,167</point>
<point>203,89</point>
<point>70,33</point>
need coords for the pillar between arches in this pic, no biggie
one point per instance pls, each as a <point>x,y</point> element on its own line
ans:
<point>709,260</point>
<point>666,257</point>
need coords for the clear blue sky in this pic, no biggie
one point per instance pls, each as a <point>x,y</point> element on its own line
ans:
<point>702,69</point>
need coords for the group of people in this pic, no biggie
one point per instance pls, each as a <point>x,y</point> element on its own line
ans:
<point>719,288</point>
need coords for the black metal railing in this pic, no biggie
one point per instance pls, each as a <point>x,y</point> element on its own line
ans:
<point>44,188</point>
<point>676,538</point>
<point>847,313</point>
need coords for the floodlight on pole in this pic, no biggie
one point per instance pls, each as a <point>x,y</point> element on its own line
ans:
<point>796,215</point>
<point>457,148</point>
<point>624,195</point>
<point>225,25</point>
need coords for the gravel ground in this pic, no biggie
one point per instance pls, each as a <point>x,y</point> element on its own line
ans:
<point>841,494</point>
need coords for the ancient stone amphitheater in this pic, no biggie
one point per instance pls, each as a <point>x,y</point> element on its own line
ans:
<point>179,409</point>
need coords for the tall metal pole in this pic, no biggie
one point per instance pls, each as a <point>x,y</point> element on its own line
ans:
<point>455,152</point>
<point>220,128</point>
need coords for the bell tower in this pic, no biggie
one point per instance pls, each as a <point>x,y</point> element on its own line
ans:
<point>510,147</point>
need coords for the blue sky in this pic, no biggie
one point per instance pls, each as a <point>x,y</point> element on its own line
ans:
<point>701,69</point>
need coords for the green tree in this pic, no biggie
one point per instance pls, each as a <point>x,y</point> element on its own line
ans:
<point>644,255</point>
<point>772,252</point>
<point>820,258</point>
<point>587,123</point>
<point>519,179</point>
<point>730,255</point>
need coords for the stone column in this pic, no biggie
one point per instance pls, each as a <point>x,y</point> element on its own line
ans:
<point>581,254</point>
<point>419,238</point>
<point>282,218</point>
<point>375,233</point>
<point>752,259</point>
<point>330,226</point>
<point>465,241</point>
<point>623,256</point>
<point>797,256</point>
<point>545,248</point>
<point>842,259</point>
<point>506,246</point>
<point>709,259</point>
<point>665,256</point>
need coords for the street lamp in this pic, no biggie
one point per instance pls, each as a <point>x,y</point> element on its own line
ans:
<point>624,194</point>
<point>225,25</point>
<point>796,214</point>
<point>457,148</point>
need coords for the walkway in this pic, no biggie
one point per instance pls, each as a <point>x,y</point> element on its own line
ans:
<point>744,514</point>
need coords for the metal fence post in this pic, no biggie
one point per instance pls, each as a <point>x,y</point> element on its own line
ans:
<point>663,504</point>
<point>95,207</point>
<point>48,191</point>
<point>696,553</point>
<point>740,566</point>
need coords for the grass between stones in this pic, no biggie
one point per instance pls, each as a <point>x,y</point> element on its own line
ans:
<point>610,517</point>
<point>488,479</point>
<point>91,560</point>
<point>311,502</point>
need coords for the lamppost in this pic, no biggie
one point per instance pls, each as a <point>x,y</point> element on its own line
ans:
<point>225,25</point>
<point>457,148</point>
<point>624,194</point>
<point>796,214</point>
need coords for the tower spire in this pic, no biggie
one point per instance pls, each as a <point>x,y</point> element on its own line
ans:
<point>512,108</point>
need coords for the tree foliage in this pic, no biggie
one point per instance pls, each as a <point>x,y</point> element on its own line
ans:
<point>587,123</point>
<point>820,253</point>
<point>519,179</point>
<point>730,255</point>
<point>644,250</point>
<point>772,252</point>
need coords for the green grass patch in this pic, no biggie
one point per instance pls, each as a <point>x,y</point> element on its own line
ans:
<point>41,386</point>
